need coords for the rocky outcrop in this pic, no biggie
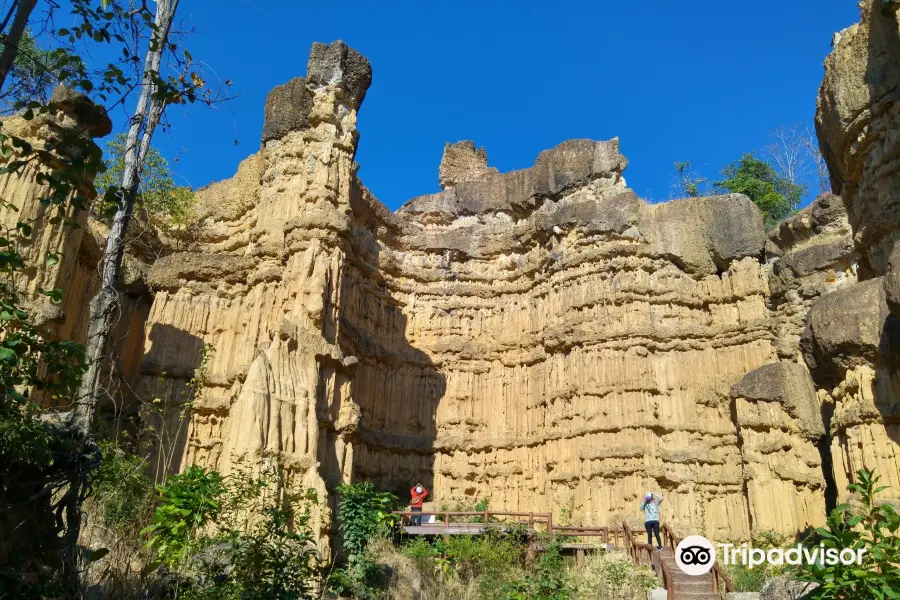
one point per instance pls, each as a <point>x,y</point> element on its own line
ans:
<point>851,342</point>
<point>462,161</point>
<point>812,254</point>
<point>542,337</point>
<point>780,426</point>
<point>858,109</point>
<point>65,233</point>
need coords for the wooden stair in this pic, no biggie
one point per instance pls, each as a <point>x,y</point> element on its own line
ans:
<point>686,586</point>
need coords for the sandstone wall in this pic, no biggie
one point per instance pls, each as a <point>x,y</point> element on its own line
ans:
<point>543,338</point>
<point>851,340</point>
<point>75,239</point>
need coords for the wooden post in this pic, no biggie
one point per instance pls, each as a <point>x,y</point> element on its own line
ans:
<point>579,557</point>
<point>529,557</point>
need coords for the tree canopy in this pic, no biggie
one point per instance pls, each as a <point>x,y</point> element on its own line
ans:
<point>775,196</point>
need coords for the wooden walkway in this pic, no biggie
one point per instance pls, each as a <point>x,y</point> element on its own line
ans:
<point>679,586</point>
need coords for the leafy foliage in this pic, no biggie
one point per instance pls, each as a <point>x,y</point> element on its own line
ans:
<point>746,579</point>
<point>122,484</point>
<point>689,182</point>
<point>240,536</point>
<point>870,526</point>
<point>547,580</point>
<point>166,204</point>
<point>364,514</point>
<point>612,576</point>
<point>776,197</point>
<point>35,72</point>
<point>188,502</point>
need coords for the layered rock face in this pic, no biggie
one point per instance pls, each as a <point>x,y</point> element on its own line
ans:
<point>543,338</point>
<point>72,237</point>
<point>851,340</point>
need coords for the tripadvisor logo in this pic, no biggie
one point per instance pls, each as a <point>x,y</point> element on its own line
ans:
<point>696,555</point>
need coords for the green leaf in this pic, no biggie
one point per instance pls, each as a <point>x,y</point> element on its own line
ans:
<point>93,556</point>
<point>52,259</point>
<point>150,567</point>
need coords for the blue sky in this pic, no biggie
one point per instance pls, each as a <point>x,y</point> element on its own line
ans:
<point>693,80</point>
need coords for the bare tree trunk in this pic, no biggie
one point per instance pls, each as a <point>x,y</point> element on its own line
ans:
<point>789,154</point>
<point>105,305</point>
<point>11,41</point>
<point>812,147</point>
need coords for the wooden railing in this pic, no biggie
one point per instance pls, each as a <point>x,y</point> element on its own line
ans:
<point>646,555</point>
<point>533,521</point>
<point>447,518</point>
<point>671,540</point>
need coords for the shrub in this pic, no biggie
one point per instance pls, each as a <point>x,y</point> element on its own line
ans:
<point>364,514</point>
<point>547,580</point>
<point>612,577</point>
<point>871,526</point>
<point>241,536</point>
<point>122,490</point>
<point>753,580</point>
<point>188,502</point>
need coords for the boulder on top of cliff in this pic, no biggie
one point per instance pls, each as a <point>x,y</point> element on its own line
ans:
<point>826,215</point>
<point>789,384</point>
<point>462,161</point>
<point>336,63</point>
<point>82,110</point>
<point>288,105</point>
<point>849,328</point>
<point>287,109</point>
<point>704,235</point>
<point>518,192</point>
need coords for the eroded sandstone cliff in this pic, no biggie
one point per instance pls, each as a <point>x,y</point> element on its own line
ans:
<point>543,338</point>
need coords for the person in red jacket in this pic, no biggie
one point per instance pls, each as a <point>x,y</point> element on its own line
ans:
<point>417,494</point>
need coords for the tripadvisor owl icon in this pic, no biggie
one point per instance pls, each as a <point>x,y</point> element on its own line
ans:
<point>695,555</point>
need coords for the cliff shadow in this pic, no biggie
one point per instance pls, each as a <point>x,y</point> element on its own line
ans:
<point>887,398</point>
<point>396,384</point>
<point>164,393</point>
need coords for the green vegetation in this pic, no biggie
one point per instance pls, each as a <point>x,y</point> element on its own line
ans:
<point>167,206</point>
<point>753,580</point>
<point>364,515</point>
<point>870,525</point>
<point>776,197</point>
<point>34,72</point>
<point>612,576</point>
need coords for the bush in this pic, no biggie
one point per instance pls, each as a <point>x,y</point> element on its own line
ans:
<point>753,580</point>
<point>871,526</point>
<point>612,577</point>
<point>364,514</point>
<point>122,490</point>
<point>241,536</point>
<point>548,579</point>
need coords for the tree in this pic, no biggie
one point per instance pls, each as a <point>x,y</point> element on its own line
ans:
<point>156,94</point>
<point>873,527</point>
<point>822,173</point>
<point>12,37</point>
<point>757,179</point>
<point>166,205</point>
<point>689,183</point>
<point>34,72</point>
<point>795,152</point>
